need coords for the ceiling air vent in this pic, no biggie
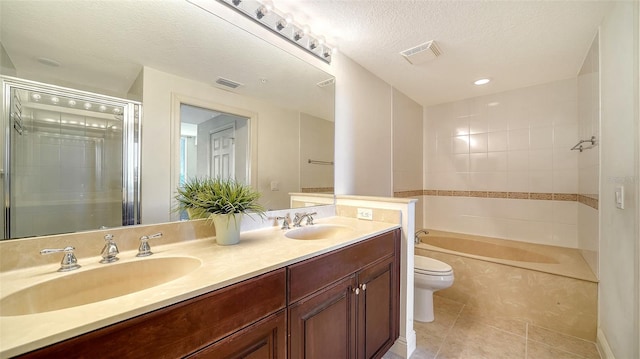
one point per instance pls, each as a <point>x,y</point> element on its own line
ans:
<point>326,82</point>
<point>228,83</point>
<point>422,53</point>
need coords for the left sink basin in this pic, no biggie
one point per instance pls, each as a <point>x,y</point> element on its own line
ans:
<point>94,285</point>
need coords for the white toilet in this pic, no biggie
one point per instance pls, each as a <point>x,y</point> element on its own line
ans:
<point>430,275</point>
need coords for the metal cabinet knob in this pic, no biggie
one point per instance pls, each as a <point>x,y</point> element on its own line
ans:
<point>356,290</point>
<point>363,286</point>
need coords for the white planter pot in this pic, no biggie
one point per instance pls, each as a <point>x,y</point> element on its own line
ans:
<point>227,228</point>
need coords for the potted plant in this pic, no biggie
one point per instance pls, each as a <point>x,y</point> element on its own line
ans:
<point>223,201</point>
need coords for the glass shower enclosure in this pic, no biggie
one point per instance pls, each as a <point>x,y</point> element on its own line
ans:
<point>71,160</point>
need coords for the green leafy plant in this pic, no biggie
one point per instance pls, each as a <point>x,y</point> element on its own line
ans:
<point>203,196</point>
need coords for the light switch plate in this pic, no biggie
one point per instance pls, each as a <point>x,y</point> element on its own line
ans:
<point>620,197</point>
<point>365,213</point>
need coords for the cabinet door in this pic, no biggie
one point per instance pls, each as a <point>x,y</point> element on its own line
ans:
<point>377,309</point>
<point>262,340</point>
<point>323,325</point>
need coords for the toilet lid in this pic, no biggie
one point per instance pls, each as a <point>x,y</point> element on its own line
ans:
<point>426,264</point>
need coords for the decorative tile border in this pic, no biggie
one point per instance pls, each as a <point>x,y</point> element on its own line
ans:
<point>317,190</point>
<point>590,200</point>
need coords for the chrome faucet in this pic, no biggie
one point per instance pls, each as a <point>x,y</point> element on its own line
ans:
<point>416,239</point>
<point>300,216</point>
<point>110,250</point>
<point>145,250</point>
<point>69,260</point>
<point>285,222</point>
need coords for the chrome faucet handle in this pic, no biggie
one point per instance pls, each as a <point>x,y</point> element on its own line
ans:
<point>310,219</point>
<point>69,260</point>
<point>297,219</point>
<point>285,222</point>
<point>145,249</point>
<point>110,250</point>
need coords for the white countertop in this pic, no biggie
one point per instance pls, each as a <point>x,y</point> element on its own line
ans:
<point>258,252</point>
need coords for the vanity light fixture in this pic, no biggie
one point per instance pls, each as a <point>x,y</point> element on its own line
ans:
<point>264,13</point>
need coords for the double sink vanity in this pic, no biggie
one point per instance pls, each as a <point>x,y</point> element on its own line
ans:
<point>330,290</point>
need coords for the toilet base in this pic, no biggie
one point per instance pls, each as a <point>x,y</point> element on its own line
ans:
<point>423,305</point>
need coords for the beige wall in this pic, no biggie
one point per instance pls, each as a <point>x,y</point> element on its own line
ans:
<point>589,160</point>
<point>316,143</point>
<point>363,131</point>
<point>619,237</point>
<point>407,148</point>
<point>275,125</point>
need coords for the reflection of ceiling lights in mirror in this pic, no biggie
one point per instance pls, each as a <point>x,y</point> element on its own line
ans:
<point>282,24</point>
<point>63,101</point>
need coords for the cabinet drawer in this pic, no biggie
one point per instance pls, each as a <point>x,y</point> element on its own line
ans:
<point>263,340</point>
<point>180,329</point>
<point>309,276</point>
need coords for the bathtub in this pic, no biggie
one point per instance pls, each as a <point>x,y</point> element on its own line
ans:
<point>547,286</point>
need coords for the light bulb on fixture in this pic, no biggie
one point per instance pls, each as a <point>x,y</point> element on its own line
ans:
<point>55,99</point>
<point>326,52</point>
<point>87,105</point>
<point>261,12</point>
<point>297,35</point>
<point>236,2</point>
<point>36,97</point>
<point>103,108</point>
<point>313,44</point>
<point>71,103</point>
<point>281,24</point>
<point>288,18</point>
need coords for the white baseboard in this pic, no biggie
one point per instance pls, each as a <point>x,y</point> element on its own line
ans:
<point>404,347</point>
<point>603,346</point>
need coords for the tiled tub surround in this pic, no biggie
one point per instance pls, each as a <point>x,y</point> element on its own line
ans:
<point>560,295</point>
<point>259,251</point>
<point>513,146</point>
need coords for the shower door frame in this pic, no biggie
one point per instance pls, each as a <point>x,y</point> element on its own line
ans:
<point>131,134</point>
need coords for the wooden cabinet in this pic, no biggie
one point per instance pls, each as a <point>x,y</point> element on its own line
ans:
<point>378,314</point>
<point>345,304</point>
<point>342,304</point>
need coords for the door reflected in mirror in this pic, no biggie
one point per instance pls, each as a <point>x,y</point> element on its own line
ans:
<point>213,144</point>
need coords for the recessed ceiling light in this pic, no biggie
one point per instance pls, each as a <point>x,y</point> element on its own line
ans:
<point>48,62</point>
<point>481,81</point>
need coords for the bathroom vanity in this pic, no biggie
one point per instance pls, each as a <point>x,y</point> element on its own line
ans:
<point>340,301</point>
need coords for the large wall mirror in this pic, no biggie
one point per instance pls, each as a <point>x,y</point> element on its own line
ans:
<point>173,55</point>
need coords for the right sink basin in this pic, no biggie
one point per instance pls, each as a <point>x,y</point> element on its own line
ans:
<point>319,231</point>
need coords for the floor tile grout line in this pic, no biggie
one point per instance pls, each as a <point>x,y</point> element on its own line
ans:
<point>561,349</point>
<point>526,340</point>
<point>448,332</point>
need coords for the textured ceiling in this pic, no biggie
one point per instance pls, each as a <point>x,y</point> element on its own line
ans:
<point>515,43</point>
<point>104,44</point>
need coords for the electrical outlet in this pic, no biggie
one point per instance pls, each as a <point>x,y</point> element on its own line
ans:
<point>365,213</point>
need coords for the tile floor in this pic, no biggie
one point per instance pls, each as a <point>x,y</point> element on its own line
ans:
<point>460,332</point>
